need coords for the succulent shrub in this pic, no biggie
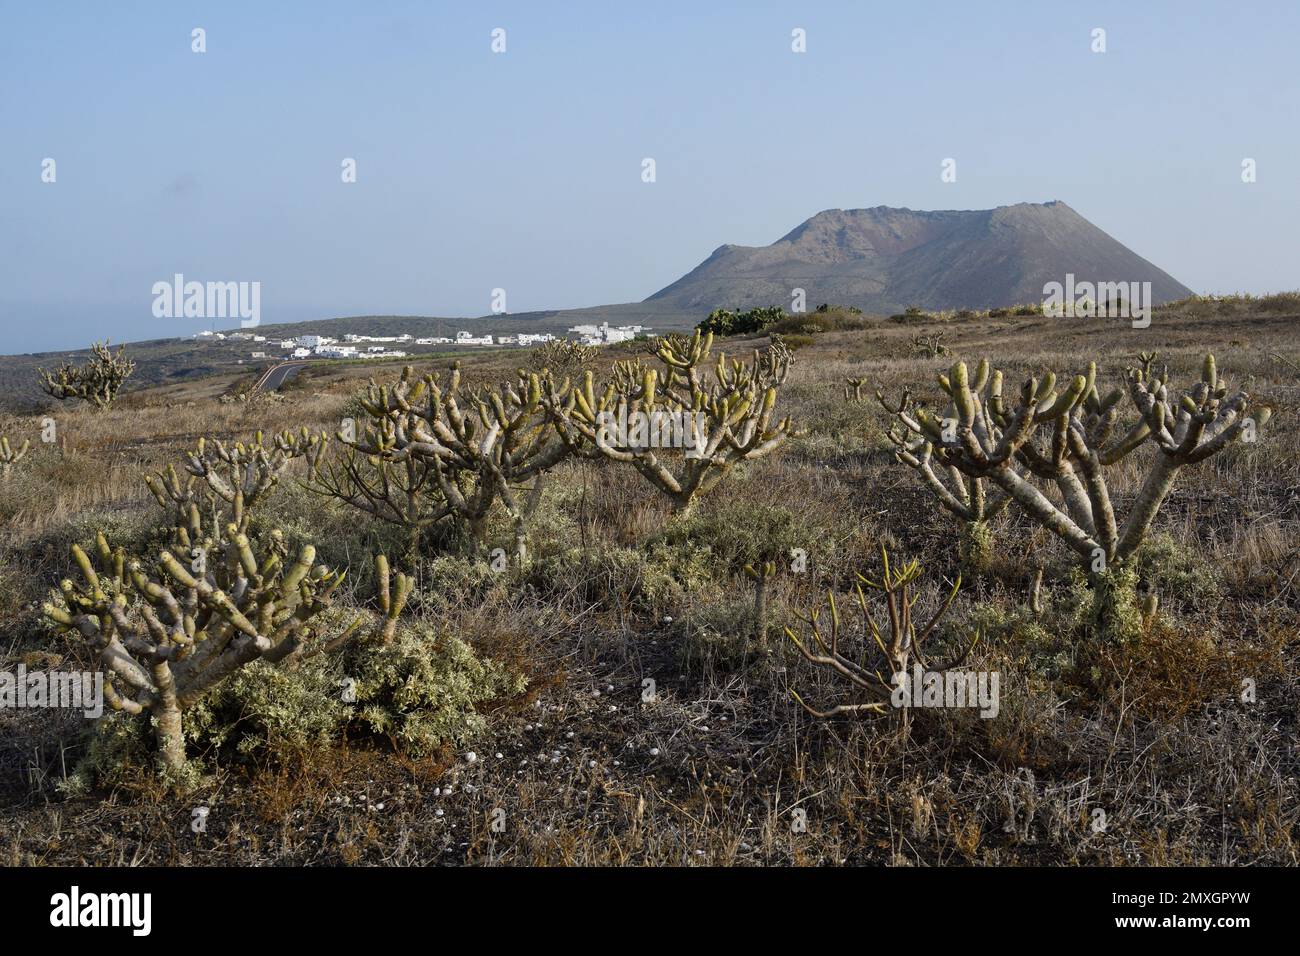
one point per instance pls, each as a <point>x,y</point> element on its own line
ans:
<point>562,357</point>
<point>980,453</point>
<point>717,423</point>
<point>869,656</point>
<point>735,322</point>
<point>225,483</point>
<point>10,456</point>
<point>166,633</point>
<point>931,345</point>
<point>966,497</point>
<point>431,450</point>
<point>423,690</point>
<point>167,629</point>
<point>96,382</point>
<point>854,388</point>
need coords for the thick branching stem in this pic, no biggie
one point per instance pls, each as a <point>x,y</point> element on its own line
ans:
<point>846,648</point>
<point>10,456</point>
<point>170,628</point>
<point>761,574</point>
<point>1065,439</point>
<point>432,450</point>
<point>682,432</point>
<point>96,382</point>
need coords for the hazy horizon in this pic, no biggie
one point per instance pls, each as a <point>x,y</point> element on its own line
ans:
<point>522,170</point>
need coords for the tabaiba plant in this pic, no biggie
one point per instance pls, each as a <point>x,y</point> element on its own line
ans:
<point>681,429</point>
<point>224,483</point>
<point>166,635</point>
<point>432,450</point>
<point>930,344</point>
<point>761,573</point>
<point>97,382</point>
<point>967,497</point>
<point>1068,438</point>
<point>563,356</point>
<point>10,456</point>
<point>169,626</point>
<point>399,491</point>
<point>873,659</point>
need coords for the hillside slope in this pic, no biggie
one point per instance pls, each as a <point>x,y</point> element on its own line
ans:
<point>884,259</point>
<point>172,360</point>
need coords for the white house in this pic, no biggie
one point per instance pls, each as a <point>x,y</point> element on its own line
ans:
<point>603,335</point>
<point>312,341</point>
<point>354,337</point>
<point>335,351</point>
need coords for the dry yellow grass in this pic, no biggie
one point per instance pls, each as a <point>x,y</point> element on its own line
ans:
<point>1186,773</point>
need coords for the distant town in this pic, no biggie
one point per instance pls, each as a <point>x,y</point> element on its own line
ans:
<point>354,346</point>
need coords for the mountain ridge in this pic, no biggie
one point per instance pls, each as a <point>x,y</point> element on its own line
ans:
<point>884,258</point>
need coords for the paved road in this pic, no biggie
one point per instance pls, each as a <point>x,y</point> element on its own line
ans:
<point>277,375</point>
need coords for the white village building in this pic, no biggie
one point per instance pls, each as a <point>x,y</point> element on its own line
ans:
<point>603,335</point>
<point>312,341</point>
<point>335,351</point>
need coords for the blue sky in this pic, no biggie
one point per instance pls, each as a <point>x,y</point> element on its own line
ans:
<point>522,170</point>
